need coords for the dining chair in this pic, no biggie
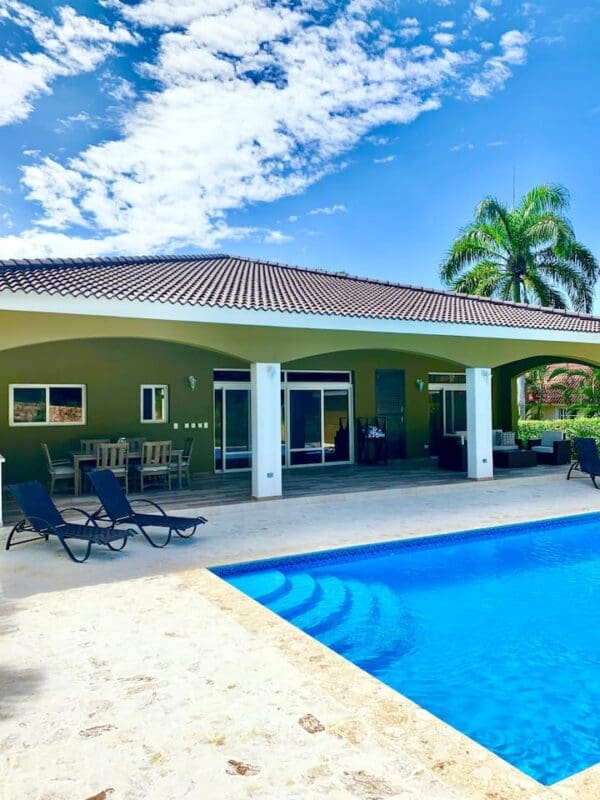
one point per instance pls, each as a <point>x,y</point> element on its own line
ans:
<point>135,444</point>
<point>185,460</point>
<point>59,469</point>
<point>155,462</point>
<point>114,458</point>
<point>91,445</point>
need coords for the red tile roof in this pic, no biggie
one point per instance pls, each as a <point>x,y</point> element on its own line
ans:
<point>243,283</point>
<point>551,394</point>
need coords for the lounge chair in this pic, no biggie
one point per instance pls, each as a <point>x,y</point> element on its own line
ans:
<point>117,508</point>
<point>44,518</point>
<point>587,461</point>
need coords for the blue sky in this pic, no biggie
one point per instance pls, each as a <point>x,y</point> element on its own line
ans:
<point>353,135</point>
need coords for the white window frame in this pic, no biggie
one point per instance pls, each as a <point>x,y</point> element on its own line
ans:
<point>154,386</point>
<point>47,387</point>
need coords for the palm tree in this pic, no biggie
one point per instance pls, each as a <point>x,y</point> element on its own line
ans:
<point>526,254</point>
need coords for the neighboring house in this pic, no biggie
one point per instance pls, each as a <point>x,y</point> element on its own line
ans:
<point>544,394</point>
<point>266,366</point>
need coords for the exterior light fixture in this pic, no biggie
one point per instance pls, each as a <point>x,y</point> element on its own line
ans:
<point>420,384</point>
<point>193,382</point>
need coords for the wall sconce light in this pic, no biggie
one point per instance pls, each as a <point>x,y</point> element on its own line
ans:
<point>193,382</point>
<point>420,384</point>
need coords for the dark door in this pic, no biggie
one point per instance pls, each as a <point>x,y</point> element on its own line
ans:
<point>389,402</point>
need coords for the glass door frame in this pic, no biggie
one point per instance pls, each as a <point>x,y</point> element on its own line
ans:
<point>226,386</point>
<point>444,388</point>
<point>322,388</point>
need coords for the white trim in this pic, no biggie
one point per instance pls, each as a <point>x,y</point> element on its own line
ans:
<point>134,309</point>
<point>155,386</point>
<point>47,387</point>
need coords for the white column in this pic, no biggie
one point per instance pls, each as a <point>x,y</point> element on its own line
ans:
<point>266,430</point>
<point>479,423</point>
<point>2,460</point>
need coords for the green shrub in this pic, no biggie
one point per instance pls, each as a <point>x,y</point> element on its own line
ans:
<point>576,427</point>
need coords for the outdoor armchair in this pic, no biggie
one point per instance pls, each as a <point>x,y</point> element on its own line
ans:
<point>60,469</point>
<point>587,461</point>
<point>44,519</point>
<point>551,448</point>
<point>116,507</point>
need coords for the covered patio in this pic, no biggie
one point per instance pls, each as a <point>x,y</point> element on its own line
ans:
<point>206,491</point>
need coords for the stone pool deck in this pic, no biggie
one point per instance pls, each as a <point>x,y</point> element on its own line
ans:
<point>141,675</point>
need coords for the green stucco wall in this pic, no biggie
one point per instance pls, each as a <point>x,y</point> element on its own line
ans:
<point>113,371</point>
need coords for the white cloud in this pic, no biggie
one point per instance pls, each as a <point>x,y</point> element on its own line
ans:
<point>446,25</point>
<point>496,70</point>
<point>293,218</point>
<point>252,103</point>
<point>480,12</point>
<point>487,45</point>
<point>71,45</point>
<point>384,160</point>
<point>444,39</point>
<point>409,29</point>
<point>457,148</point>
<point>338,208</point>
<point>276,237</point>
<point>497,143</point>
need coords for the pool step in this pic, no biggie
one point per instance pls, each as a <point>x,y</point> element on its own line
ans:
<point>301,592</point>
<point>390,632</point>
<point>330,604</point>
<point>262,586</point>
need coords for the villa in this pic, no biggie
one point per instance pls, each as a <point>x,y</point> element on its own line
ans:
<point>265,366</point>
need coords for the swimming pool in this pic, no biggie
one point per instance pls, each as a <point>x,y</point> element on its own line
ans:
<point>496,631</point>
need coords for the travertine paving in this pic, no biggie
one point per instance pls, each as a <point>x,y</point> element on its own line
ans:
<point>142,675</point>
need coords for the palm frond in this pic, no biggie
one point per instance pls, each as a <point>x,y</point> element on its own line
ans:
<point>483,280</point>
<point>578,287</point>
<point>546,294</point>
<point>545,197</point>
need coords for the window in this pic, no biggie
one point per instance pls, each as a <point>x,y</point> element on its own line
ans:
<point>46,404</point>
<point>154,403</point>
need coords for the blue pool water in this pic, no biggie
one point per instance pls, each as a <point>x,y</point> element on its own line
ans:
<point>496,632</point>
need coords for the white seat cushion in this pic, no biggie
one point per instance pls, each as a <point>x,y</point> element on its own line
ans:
<point>538,448</point>
<point>505,448</point>
<point>154,469</point>
<point>63,472</point>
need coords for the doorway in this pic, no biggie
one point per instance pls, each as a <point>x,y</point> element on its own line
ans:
<point>389,402</point>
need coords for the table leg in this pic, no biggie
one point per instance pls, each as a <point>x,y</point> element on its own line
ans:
<point>77,477</point>
<point>180,468</point>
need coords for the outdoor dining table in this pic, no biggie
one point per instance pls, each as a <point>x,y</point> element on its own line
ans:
<point>80,458</point>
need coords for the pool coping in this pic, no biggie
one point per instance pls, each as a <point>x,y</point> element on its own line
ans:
<point>461,762</point>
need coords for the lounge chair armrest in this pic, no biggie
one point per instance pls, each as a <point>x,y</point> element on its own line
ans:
<point>534,443</point>
<point>150,503</point>
<point>89,517</point>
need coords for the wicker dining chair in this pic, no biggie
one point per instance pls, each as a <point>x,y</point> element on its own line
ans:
<point>114,458</point>
<point>155,462</point>
<point>59,469</point>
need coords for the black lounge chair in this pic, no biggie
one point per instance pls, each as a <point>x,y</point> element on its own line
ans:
<point>44,518</point>
<point>117,508</point>
<point>587,461</point>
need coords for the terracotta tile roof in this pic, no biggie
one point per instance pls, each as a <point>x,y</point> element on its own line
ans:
<point>243,283</point>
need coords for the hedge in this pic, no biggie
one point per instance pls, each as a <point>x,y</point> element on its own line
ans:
<point>576,427</point>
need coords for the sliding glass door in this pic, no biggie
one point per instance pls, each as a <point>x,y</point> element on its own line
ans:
<point>233,445</point>
<point>316,419</point>
<point>319,425</point>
